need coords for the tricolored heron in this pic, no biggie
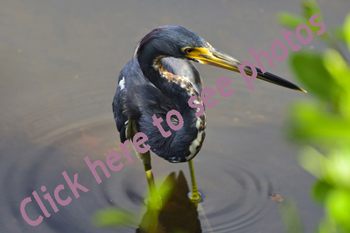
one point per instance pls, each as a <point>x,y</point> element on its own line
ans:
<point>159,78</point>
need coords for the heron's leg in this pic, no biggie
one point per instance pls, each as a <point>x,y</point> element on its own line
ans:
<point>144,157</point>
<point>195,196</point>
<point>146,160</point>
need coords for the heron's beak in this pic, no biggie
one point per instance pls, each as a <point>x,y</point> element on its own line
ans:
<point>211,56</point>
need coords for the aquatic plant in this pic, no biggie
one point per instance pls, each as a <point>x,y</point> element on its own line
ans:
<point>322,126</point>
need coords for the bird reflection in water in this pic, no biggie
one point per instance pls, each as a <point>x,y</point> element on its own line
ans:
<point>177,214</point>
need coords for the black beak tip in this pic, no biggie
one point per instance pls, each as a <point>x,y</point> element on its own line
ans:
<point>302,90</point>
<point>269,77</point>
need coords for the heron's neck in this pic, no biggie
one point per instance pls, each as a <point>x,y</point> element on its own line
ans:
<point>177,88</point>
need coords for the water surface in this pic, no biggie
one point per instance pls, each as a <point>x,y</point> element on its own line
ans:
<point>59,63</point>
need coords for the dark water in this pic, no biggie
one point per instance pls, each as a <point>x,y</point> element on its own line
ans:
<point>59,62</point>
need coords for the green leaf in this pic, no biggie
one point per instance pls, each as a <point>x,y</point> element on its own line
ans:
<point>338,204</point>
<point>290,216</point>
<point>310,69</point>
<point>310,8</point>
<point>327,225</point>
<point>337,167</point>
<point>339,33</point>
<point>347,30</point>
<point>320,191</point>
<point>340,72</point>
<point>162,194</point>
<point>311,160</point>
<point>338,68</point>
<point>113,217</point>
<point>308,123</point>
<point>290,20</point>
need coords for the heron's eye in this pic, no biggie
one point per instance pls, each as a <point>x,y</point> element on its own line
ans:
<point>189,50</point>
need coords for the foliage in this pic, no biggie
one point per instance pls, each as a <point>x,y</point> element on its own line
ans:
<point>322,126</point>
<point>116,217</point>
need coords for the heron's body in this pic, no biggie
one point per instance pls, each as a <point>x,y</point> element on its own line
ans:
<point>160,78</point>
<point>146,100</point>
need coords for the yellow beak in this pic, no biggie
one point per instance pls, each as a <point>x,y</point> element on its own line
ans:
<point>211,56</point>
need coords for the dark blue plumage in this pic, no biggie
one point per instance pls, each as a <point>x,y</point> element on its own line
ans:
<point>140,99</point>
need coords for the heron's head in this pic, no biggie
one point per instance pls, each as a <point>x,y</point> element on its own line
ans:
<point>179,42</point>
<point>170,41</point>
